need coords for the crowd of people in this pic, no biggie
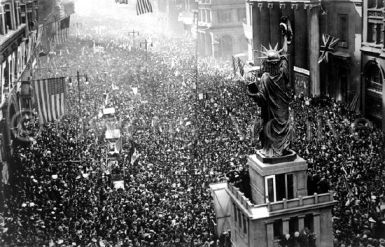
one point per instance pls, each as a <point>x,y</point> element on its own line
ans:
<point>189,134</point>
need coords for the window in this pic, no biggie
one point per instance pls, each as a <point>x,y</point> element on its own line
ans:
<point>208,12</point>
<point>239,218</point>
<point>244,225</point>
<point>16,14</point>
<point>375,25</point>
<point>374,81</point>
<point>343,30</point>
<point>23,13</point>
<point>235,212</point>
<point>224,16</point>
<point>375,4</point>
<point>290,186</point>
<point>6,73</point>
<point>8,17</point>
<point>277,227</point>
<point>372,3</point>
<point>293,225</point>
<point>270,188</point>
<point>30,15</point>
<point>279,187</point>
<point>309,222</point>
<point>2,21</point>
<point>241,14</point>
<point>371,32</point>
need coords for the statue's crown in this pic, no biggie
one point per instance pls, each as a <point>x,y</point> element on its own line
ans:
<point>271,55</point>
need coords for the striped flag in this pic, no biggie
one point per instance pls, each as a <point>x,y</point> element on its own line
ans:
<point>50,97</point>
<point>143,6</point>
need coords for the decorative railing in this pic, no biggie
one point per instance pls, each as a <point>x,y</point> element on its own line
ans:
<point>281,205</point>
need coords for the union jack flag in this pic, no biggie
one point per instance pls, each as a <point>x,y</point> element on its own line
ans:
<point>328,44</point>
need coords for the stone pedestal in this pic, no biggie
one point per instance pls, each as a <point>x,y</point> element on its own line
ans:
<point>258,172</point>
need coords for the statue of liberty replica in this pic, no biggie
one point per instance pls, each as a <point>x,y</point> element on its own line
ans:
<point>273,93</point>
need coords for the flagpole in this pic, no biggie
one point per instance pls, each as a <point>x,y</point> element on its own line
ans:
<point>79,100</point>
<point>196,87</point>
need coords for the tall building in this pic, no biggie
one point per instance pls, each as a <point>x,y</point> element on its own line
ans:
<point>310,20</point>
<point>220,29</point>
<point>373,61</point>
<point>18,37</point>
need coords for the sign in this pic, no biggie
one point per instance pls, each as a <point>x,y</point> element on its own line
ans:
<point>301,81</point>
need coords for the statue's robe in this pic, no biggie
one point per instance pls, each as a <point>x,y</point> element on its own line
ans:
<point>273,96</point>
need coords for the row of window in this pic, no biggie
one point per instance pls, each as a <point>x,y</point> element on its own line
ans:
<point>375,22</point>
<point>375,4</point>
<point>223,16</point>
<point>240,219</point>
<point>15,63</point>
<point>12,14</point>
<point>293,226</point>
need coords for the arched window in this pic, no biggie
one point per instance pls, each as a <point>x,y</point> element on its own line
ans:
<point>373,78</point>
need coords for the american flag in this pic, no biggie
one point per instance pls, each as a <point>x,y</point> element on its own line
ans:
<point>50,97</point>
<point>143,6</point>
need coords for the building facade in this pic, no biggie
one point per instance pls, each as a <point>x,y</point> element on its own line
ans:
<point>18,38</point>
<point>373,61</point>
<point>220,29</point>
<point>340,77</point>
<point>169,12</point>
<point>309,20</point>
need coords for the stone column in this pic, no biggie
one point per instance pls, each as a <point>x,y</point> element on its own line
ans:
<point>317,229</point>
<point>257,31</point>
<point>300,37</point>
<point>285,225</point>
<point>270,234</point>
<point>255,21</point>
<point>214,45</point>
<point>301,222</point>
<point>314,45</point>
<point>275,14</point>
<point>265,25</point>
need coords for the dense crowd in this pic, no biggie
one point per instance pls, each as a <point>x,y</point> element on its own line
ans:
<point>188,135</point>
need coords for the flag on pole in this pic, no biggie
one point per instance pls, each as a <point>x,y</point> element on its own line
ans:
<point>50,97</point>
<point>143,6</point>
<point>65,23</point>
<point>134,156</point>
<point>328,44</point>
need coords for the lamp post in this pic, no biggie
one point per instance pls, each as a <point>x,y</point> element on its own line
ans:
<point>146,43</point>
<point>133,33</point>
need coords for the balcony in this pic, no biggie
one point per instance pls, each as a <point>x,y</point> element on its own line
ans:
<point>11,35</point>
<point>281,207</point>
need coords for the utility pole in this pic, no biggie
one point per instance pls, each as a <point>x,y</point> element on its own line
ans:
<point>79,100</point>
<point>146,43</point>
<point>133,33</point>
<point>197,131</point>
